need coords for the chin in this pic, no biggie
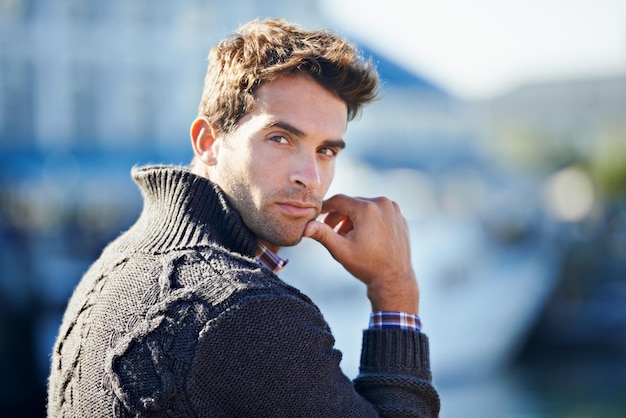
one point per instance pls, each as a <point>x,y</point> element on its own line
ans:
<point>287,236</point>
<point>293,242</point>
<point>286,241</point>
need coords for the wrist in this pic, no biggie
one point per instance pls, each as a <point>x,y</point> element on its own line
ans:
<point>398,298</point>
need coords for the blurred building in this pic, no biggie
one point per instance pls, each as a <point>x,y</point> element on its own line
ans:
<point>112,73</point>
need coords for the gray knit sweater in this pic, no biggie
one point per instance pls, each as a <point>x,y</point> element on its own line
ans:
<point>177,319</point>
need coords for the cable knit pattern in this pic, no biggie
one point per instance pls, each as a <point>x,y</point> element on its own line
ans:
<point>177,319</point>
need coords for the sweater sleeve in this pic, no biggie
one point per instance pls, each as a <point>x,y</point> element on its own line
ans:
<point>274,356</point>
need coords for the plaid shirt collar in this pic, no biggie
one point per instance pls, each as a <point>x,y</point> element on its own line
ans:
<point>270,259</point>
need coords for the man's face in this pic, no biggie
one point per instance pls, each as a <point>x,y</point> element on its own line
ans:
<point>278,163</point>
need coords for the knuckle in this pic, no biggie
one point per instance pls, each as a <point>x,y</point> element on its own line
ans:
<point>385,203</point>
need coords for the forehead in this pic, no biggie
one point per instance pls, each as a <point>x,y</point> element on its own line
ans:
<point>302,102</point>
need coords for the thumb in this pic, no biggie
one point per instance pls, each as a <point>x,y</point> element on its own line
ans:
<point>320,232</point>
<point>337,245</point>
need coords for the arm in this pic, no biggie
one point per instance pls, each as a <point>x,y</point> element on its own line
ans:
<point>273,355</point>
<point>370,238</point>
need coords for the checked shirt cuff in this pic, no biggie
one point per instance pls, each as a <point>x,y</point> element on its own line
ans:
<point>395,320</point>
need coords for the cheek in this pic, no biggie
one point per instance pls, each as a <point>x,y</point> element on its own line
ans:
<point>328,174</point>
<point>261,178</point>
<point>270,167</point>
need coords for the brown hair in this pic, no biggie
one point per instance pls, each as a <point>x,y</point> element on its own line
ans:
<point>262,51</point>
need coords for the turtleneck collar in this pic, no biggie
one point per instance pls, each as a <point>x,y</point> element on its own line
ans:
<point>182,209</point>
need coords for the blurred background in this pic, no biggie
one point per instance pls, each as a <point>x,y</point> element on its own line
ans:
<point>501,131</point>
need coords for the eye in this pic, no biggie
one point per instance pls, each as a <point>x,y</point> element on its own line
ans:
<point>279,139</point>
<point>329,152</point>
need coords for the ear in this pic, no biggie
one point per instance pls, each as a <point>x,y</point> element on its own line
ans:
<point>204,141</point>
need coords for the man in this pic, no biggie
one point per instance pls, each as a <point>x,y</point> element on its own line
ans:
<point>184,315</point>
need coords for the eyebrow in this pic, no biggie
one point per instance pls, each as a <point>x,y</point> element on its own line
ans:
<point>336,143</point>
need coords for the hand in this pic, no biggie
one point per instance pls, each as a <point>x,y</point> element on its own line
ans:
<point>370,238</point>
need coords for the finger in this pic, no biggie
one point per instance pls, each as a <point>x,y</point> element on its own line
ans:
<point>344,226</point>
<point>323,234</point>
<point>340,224</point>
<point>341,203</point>
<point>334,218</point>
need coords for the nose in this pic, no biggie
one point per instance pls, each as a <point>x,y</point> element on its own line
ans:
<point>305,172</point>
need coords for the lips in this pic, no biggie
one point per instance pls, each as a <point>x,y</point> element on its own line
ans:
<point>299,208</point>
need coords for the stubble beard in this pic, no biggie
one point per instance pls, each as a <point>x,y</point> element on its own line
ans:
<point>265,220</point>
